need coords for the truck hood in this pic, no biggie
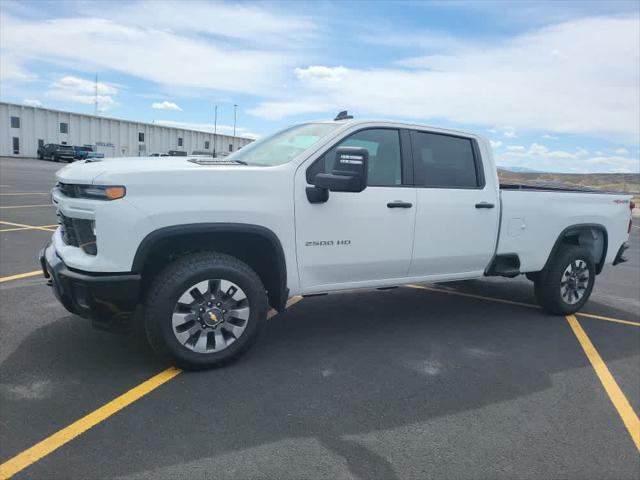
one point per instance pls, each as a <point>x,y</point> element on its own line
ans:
<point>89,171</point>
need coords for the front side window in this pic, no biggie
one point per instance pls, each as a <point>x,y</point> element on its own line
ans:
<point>385,161</point>
<point>64,127</point>
<point>15,122</point>
<point>444,161</point>
<point>284,146</point>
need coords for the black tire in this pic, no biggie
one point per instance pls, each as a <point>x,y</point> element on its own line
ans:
<point>184,272</point>
<point>40,157</point>
<point>548,284</point>
<point>54,158</point>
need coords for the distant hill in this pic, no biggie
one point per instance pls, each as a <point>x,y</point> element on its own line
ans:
<point>615,182</point>
<point>519,169</point>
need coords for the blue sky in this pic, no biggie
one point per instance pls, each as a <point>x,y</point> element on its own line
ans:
<point>554,85</point>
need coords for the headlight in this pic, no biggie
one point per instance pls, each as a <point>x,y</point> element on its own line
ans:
<point>94,192</point>
<point>101,192</point>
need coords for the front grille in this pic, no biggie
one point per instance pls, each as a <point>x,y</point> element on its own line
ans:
<point>78,232</point>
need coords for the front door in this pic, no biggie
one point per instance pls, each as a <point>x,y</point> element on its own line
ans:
<point>357,239</point>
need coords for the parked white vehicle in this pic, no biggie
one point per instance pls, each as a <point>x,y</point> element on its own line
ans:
<point>202,247</point>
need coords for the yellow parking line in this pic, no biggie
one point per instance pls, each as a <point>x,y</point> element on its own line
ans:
<point>61,437</point>
<point>609,319</point>
<point>43,227</point>
<point>20,275</point>
<point>471,295</point>
<point>628,416</point>
<point>34,227</point>
<point>27,206</point>
<point>22,193</point>
<point>520,304</point>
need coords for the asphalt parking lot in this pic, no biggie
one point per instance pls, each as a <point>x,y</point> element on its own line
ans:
<point>443,381</point>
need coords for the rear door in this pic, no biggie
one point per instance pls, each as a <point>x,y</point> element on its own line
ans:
<point>457,214</point>
<point>358,239</point>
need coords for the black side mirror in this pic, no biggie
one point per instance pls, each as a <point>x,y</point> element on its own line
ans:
<point>349,172</point>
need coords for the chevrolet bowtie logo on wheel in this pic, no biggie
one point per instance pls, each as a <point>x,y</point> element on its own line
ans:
<point>213,317</point>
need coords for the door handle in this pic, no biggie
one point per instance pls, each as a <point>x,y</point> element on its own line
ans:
<point>399,204</point>
<point>484,205</point>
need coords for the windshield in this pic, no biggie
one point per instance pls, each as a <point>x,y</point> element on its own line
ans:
<point>281,147</point>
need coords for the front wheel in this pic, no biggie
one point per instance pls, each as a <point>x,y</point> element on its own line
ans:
<point>205,309</point>
<point>565,286</point>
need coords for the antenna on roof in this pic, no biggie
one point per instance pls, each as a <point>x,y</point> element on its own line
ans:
<point>343,115</point>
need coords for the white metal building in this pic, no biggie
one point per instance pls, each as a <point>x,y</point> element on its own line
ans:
<point>23,128</point>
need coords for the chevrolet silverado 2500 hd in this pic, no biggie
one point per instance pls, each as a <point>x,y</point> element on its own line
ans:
<point>202,247</point>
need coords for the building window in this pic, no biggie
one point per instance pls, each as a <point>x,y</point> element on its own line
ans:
<point>64,127</point>
<point>141,136</point>
<point>16,145</point>
<point>231,147</point>
<point>179,141</point>
<point>40,143</point>
<point>206,145</point>
<point>15,122</point>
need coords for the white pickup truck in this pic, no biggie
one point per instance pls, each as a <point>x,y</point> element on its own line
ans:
<point>202,247</point>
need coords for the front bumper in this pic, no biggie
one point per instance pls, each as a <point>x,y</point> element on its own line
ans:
<point>108,300</point>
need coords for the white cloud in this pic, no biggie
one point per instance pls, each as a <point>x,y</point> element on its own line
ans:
<point>209,128</point>
<point>549,137</point>
<point>539,157</point>
<point>509,133</point>
<point>621,151</point>
<point>11,69</point>
<point>80,90</point>
<point>31,102</point>
<point>581,152</point>
<point>319,73</point>
<point>239,22</point>
<point>577,77</point>
<point>277,110</point>
<point>165,105</point>
<point>495,144</point>
<point>236,48</point>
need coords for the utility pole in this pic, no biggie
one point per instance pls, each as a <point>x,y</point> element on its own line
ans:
<point>235,110</point>
<point>215,129</point>
<point>95,100</point>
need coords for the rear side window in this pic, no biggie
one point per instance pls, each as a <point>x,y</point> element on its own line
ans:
<point>385,160</point>
<point>444,161</point>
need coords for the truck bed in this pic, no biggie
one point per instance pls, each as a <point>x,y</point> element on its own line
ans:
<point>534,216</point>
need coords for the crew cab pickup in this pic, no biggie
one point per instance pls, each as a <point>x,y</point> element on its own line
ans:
<point>201,248</point>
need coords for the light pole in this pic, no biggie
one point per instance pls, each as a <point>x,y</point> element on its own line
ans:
<point>215,130</point>
<point>235,116</point>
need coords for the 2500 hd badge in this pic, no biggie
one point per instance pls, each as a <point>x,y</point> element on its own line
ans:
<point>326,243</point>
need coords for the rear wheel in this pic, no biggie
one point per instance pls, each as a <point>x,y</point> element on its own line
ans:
<point>205,309</point>
<point>55,158</point>
<point>565,286</point>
